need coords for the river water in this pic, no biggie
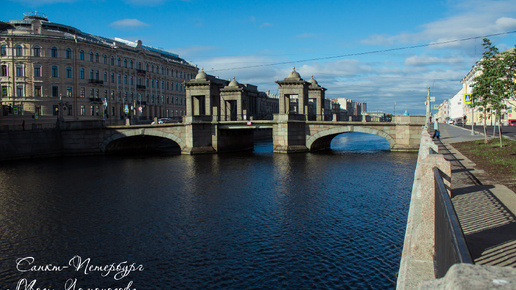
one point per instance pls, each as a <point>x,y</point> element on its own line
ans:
<point>252,220</point>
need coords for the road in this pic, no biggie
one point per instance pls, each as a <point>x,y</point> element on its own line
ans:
<point>507,131</point>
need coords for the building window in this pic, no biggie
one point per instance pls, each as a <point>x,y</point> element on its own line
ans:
<point>53,52</point>
<point>82,74</point>
<point>68,53</point>
<point>83,110</point>
<point>3,50</point>
<point>91,74</point>
<point>119,62</point>
<point>96,57</point>
<point>125,63</point>
<point>3,70</point>
<point>37,70</point>
<point>37,91</point>
<point>112,78</point>
<point>54,72</point>
<point>81,55</point>
<point>19,91</point>
<point>55,110</point>
<point>69,72</point>
<point>97,75</point>
<point>105,59</point>
<point>19,70</point>
<point>70,110</point>
<point>36,51</point>
<point>125,79</point>
<point>69,91</point>
<point>91,56</point>
<point>131,64</point>
<point>92,109</point>
<point>112,60</point>
<point>19,50</point>
<point>83,92</point>
<point>105,76</point>
<point>92,93</point>
<point>119,78</point>
<point>55,91</point>
<point>131,80</point>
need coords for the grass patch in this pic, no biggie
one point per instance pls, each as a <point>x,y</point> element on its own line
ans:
<point>499,163</point>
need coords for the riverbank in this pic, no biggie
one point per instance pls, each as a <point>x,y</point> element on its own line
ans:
<point>486,213</point>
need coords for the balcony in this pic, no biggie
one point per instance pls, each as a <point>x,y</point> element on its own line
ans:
<point>94,81</point>
<point>140,71</point>
<point>140,87</point>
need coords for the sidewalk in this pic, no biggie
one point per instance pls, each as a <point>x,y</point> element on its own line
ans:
<point>486,211</point>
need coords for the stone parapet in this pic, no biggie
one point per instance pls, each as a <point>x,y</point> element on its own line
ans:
<point>417,263</point>
<point>474,277</point>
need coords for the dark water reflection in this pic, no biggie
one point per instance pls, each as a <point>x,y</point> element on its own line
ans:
<point>246,220</point>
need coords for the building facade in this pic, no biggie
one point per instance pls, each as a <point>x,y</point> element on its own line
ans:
<point>50,70</point>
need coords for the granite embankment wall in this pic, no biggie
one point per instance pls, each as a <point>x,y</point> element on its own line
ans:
<point>417,261</point>
<point>30,144</point>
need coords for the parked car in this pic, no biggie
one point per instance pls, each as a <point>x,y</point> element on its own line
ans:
<point>458,122</point>
<point>169,120</point>
<point>512,122</point>
<point>451,122</point>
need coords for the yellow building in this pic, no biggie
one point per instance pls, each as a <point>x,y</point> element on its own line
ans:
<point>50,70</point>
<point>467,88</point>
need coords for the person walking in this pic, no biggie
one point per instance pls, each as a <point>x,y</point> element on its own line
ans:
<point>436,129</point>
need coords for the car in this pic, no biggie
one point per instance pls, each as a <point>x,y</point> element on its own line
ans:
<point>169,120</point>
<point>512,122</point>
<point>451,122</point>
<point>458,122</point>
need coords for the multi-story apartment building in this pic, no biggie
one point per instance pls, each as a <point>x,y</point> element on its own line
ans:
<point>50,70</point>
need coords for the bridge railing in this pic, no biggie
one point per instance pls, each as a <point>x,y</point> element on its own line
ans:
<point>450,244</point>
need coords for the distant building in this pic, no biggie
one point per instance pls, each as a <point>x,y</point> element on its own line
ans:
<point>443,113</point>
<point>350,110</point>
<point>50,70</point>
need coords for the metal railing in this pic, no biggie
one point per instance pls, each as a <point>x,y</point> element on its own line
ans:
<point>450,245</point>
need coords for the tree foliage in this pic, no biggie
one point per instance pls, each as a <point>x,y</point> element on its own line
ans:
<point>496,82</point>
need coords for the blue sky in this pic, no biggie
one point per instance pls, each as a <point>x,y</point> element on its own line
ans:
<point>259,42</point>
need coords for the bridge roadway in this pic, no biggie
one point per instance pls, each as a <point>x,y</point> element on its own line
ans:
<point>289,135</point>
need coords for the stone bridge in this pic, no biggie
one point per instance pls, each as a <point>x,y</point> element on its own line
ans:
<point>195,136</point>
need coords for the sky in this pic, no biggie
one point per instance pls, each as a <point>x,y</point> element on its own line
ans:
<point>386,53</point>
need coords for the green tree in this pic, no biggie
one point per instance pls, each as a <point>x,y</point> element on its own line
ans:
<point>487,83</point>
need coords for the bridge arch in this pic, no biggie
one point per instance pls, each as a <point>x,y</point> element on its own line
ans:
<point>322,139</point>
<point>142,132</point>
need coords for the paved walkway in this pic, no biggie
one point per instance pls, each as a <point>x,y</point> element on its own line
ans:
<point>486,211</point>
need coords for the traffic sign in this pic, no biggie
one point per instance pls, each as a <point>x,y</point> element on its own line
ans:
<point>126,110</point>
<point>436,107</point>
<point>509,111</point>
<point>467,98</point>
<point>15,110</point>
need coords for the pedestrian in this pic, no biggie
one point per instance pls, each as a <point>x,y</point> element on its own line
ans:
<point>436,129</point>
<point>23,125</point>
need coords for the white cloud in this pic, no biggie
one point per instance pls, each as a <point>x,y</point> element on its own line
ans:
<point>128,23</point>
<point>306,35</point>
<point>471,19</point>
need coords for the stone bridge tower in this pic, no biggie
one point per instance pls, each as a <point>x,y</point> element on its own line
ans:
<point>316,98</point>
<point>293,94</point>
